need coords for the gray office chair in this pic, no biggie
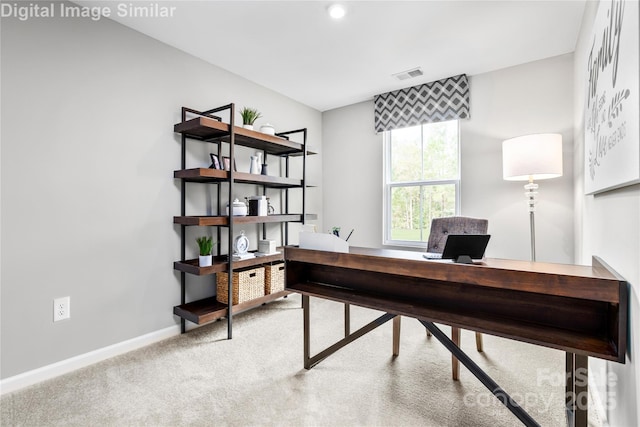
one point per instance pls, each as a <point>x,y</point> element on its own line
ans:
<point>440,229</point>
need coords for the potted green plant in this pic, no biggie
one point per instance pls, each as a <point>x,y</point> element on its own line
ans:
<point>249,116</point>
<point>205,243</point>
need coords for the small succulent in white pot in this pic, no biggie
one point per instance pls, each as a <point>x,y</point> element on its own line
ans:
<point>205,243</point>
<point>249,116</point>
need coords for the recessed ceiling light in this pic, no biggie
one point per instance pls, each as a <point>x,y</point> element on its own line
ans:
<point>337,11</point>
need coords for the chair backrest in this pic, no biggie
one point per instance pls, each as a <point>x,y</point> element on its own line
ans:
<point>442,227</point>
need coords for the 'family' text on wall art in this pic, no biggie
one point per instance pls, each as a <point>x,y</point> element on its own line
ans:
<point>612,105</point>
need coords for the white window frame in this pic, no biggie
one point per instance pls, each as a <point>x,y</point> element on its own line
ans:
<point>388,186</point>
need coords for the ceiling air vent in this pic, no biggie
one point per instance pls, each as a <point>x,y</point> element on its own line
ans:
<point>409,74</point>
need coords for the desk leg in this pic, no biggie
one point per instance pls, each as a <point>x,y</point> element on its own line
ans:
<point>569,396</point>
<point>305,322</point>
<point>347,319</point>
<point>396,336</point>
<point>485,379</point>
<point>311,361</point>
<point>577,390</point>
<point>455,364</point>
<point>581,390</point>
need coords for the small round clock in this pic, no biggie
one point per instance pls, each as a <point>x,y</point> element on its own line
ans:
<point>241,244</point>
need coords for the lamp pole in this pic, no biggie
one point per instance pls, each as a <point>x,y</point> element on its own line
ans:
<point>531,193</point>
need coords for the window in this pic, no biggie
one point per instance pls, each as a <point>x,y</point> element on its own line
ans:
<point>422,180</point>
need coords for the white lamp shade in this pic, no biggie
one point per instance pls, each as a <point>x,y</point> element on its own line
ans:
<point>532,157</point>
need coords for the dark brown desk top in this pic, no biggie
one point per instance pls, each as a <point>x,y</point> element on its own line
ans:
<point>597,282</point>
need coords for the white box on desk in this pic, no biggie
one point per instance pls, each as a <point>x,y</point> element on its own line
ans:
<point>322,242</point>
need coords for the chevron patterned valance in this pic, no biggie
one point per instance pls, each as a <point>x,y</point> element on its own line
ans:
<point>446,99</point>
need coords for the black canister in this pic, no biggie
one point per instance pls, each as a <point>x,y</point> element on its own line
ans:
<point>257,206</point>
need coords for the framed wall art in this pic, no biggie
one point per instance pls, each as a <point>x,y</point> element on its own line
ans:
<point>612,105</point>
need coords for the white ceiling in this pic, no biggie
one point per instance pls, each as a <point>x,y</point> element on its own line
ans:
<point>294,48</point>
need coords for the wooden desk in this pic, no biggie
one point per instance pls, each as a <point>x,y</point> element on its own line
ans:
<point>581,310</point>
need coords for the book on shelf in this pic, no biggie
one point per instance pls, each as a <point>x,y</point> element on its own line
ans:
<point>242,257</point>
<point>259,254</point>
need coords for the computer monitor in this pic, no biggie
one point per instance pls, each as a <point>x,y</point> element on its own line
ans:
<point>465,247</point>
<point>462,248</point>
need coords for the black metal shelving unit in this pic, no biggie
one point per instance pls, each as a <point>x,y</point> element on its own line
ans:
<point>207,126</point>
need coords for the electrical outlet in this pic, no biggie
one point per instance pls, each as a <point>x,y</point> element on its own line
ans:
<point>61,308</point>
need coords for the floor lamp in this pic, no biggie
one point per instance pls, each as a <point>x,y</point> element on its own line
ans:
<point>529,158</point>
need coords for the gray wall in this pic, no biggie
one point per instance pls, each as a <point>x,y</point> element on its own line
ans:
<point>530,98</point>
<point>352,173</point>
<point>608,225</point>
<point>88,195</point>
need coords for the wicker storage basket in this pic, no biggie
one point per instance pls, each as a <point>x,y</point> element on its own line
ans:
<point>248,284</point>
<point>274,278</point>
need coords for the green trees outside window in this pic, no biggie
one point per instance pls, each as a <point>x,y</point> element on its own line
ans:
<point>422,179</point>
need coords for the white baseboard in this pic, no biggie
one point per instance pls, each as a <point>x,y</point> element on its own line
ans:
<point>35,376</point>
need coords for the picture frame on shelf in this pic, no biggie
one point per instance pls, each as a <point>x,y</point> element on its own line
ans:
<point>215,162</point>
<point>226,161</point>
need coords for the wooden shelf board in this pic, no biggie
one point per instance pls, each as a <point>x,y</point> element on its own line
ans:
<point>224,220</point>
<point>201,220</point>
<point>201,311</point>
<point>209,129</point>
<point>269,181</point>
<point>201,174</point>
<point>218,175</point>
<point>298,154</point>
<point>239,308</point>
<point>220,264</point>
<point>209,309</point>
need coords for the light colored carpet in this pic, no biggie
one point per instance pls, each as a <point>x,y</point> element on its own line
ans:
<point>202,379</point>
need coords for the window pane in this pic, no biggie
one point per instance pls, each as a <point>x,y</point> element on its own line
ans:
<point>440,155</point>
<point>420,160</point>
<point>437,201</point>
<point>405,213</point>
<point>406,149</point>
<point>413,207</point>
